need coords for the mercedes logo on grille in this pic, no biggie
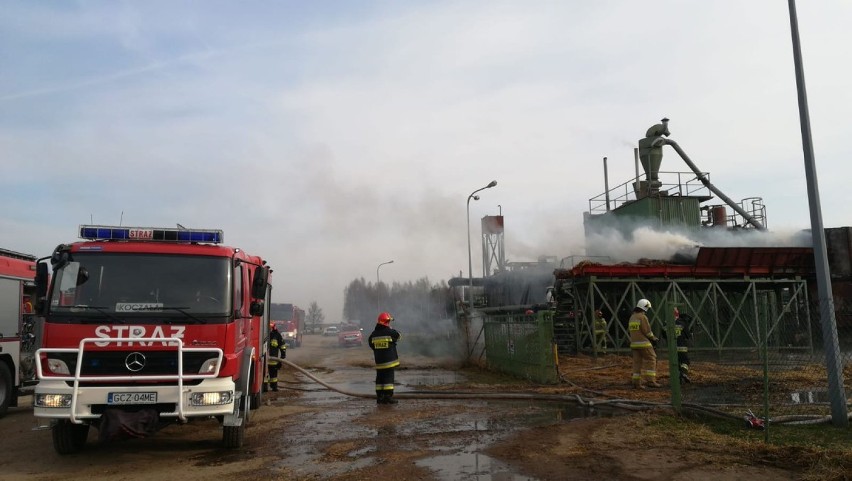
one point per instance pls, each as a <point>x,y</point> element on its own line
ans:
<point>135,361</point>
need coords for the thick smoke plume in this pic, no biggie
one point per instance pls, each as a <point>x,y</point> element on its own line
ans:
<point>631,240</point>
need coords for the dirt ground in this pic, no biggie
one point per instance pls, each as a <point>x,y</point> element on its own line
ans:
<point>306,432</point>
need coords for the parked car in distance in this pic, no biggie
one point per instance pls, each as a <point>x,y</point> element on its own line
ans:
<point>330,331</point>
<point>350,335</point>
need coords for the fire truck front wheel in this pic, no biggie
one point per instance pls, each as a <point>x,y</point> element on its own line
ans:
<point>69,438</point>
<point>233,437</point>
<point>6,388</point>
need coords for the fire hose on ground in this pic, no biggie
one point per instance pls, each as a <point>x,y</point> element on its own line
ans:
<point>617,403</point>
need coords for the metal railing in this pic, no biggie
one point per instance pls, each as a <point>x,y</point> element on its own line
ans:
<point>683,184</point>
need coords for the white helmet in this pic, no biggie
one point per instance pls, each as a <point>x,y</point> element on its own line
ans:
<point>643,304</point>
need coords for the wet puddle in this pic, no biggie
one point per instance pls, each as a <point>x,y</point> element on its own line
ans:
<point>472,466</point>
<point>334,439</point>
<point>363,380</point>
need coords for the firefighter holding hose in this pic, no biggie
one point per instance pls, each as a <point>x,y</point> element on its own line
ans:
<point>278,349</point>
<point>383,341</point>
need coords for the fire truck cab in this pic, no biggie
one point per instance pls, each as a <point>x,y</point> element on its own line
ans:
<point>144,327</point>
<point>17,327</point>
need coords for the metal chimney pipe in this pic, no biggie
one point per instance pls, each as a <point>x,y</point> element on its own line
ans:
<point>606,185</point>
<point>636,159</point>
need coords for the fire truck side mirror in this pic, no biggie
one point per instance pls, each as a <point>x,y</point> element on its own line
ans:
<point>259,283</point>
<point>60,256</point>
<point>42,278</point>
<point>256,308</point>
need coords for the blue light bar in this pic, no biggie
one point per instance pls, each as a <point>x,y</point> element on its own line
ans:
<point>158,234</point>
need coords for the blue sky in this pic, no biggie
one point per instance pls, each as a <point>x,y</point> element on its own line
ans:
<point>332,136</point>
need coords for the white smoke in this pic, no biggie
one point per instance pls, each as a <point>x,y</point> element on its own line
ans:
<point>631,240</point>
<point>643,242</point>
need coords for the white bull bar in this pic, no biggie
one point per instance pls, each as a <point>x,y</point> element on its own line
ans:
<point>169,342</point>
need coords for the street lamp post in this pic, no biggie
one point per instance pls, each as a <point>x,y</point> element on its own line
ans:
<point>378,305</point>
<point>828,322</point>
<point>469,258</point>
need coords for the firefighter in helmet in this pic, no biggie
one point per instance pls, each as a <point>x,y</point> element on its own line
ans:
<point>277,349</point>
<point>642,344</point>
<point>683,337</point>
<point>27,307</point>
<point>600,332</point>
<point>383,341</point>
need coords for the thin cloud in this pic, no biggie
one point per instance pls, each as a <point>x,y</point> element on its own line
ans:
<point>332,139</point>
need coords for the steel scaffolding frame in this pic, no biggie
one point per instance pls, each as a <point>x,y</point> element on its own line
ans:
<point>725,311</point>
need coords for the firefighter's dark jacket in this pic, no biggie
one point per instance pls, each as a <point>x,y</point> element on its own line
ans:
<point>683,333</point>
<point>277,348</point>
<point>383,343</point>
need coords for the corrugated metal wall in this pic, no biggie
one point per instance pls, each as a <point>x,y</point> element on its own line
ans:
<point>667,210</point>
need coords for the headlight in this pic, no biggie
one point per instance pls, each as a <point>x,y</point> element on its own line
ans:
<point>211,398</point>
<point>52,401</point>
<point>58,366</point>
<point>209,366</point>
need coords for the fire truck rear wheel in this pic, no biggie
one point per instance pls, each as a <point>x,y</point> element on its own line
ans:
<point>6,390</point>
<point>68,438</point>
<point>256,398</point>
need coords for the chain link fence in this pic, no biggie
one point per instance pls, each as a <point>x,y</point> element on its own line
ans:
<point>522,345</point>
<point>751,344</point>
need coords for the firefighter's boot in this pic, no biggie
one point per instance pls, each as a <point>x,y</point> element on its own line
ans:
<point>653,384</point>
<point>274,386</point>
<point>380,397</point>
<point>389,398</point>
<point>637,384</point>
<point>684,379</point>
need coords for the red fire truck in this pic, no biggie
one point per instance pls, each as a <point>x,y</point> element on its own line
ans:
<point>290,320</point>
<point>144,327</point>
<point>17,327</point>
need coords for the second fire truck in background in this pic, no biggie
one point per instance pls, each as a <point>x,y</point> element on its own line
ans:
<point>18,338</point>
<point>290,320</point>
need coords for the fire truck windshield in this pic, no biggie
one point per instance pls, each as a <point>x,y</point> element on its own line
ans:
<point>99,284</point>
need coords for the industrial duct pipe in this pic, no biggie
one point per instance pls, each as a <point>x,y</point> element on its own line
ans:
<point>748,217</point>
